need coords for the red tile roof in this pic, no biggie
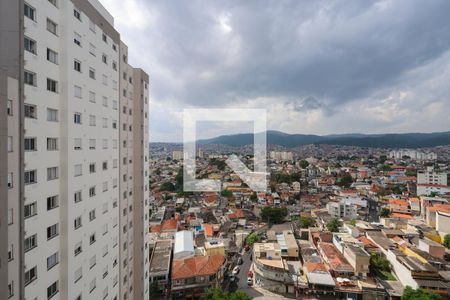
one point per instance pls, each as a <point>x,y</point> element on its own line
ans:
<point>170,224</point>
<point>196,266</point>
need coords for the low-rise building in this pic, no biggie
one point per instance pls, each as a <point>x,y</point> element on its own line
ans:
<point>358,258</point>
<point>160,263</point>
<point>184,245</point>
<point>192,276</point>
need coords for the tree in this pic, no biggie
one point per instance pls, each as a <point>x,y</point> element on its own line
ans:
<point>253,197</point>
<point>306,222</point>
<point>226,193</point>
<point>274,214</point>
<point>386,168</point>
<point>378,264</point>
<point>219,294</point>
<point>411,173</point>
<point>158,172</point>
<point>447,241</point>
<point>154,290</point>
<point>333,225</point>
<point>382,159</point>
<point>411,294</point>
<point>353,222</point>
<point>251,239</point>
<point>384,212</point>
<point>304,164</point>
<point>167,186</point>
<point>345,181</point>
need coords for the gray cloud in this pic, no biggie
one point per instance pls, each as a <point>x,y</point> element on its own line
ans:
<point>324,53</point>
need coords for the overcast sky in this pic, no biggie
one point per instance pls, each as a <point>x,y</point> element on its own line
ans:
<point>318,67</point>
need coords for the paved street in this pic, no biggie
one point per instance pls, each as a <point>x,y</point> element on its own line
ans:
<point>241,278</point>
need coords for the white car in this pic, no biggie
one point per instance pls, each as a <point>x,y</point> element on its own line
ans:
<point>249,280</point>
<point>235,270</point>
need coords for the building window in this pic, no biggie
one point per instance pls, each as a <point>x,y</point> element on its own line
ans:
<point>114,66</point>
<point>77,170</point>
<point>52,202</point>
<point>9,108</point>
<point>29,78</point>
<point>52,56</point>
<point>92,121</point>
<point>92,26</point>
<point>29,11</point>
<point>77,144</point>
<point>92,50</point>
<point>77,39</point>
<point>77,65</point>
<point>30,177</point>
<point>30,210</point>
<point>52,260</point>
<point>30,242</point>
<point>78,248</point>
<point>92,191</point>
<point>92,168</point>
<point>92,73</point>
<point>52,115</point>
<point>92,261</point>
<point>104,58</point>
<point>77,118</point>
<point>10,252</point>
<point>77,275</point>
<point>92,215</point>
<point>52,27</point>
<point>52,144</point>
<point>92,97</point>
<point>30,45</point>
<point>52,231</point>
<point>105,165</point>
<point>77,14</point>
<point>92,144</point>
<point>52,85</point>
<point>52,173</point>
<point>104,38</point>
<point>105,101</point>
<point>77,92</point>
<point>30,144</point>
<point>52,290</point>
<point>104,79</point>
<point>77,196</point>
<point>30,275</point>
<point>10,144</point>
<point>77,222</point>
<point>92,238</point>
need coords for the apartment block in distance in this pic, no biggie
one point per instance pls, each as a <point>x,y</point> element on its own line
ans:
<point>74,159</point>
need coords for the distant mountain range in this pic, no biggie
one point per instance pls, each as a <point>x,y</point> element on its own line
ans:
<point>391,140</point>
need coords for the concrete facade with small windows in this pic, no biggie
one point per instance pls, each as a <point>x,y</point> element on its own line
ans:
<point>73,150</point>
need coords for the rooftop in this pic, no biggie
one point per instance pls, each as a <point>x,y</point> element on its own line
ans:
<point>160,260</point>
<point>196,266</point>
<point>334,258</point>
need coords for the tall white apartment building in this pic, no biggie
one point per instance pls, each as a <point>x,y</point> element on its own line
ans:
<point>430,181</point>
<point>134,202</point>
<point>414,154</point>
<point>75,159</point>
<point>281,155</point>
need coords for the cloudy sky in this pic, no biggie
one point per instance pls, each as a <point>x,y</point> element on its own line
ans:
<point>318,67</point>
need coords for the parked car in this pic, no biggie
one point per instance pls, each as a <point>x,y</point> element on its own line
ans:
<point>249,281</point>
<point>240,261</point>
<point>235,270</point>
<point>250,274</point>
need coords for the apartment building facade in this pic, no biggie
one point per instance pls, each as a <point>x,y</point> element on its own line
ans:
<point>134,202</point>
<point>65,208</point>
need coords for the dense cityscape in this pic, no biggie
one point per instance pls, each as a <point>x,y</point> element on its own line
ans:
<point>335,222</point>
